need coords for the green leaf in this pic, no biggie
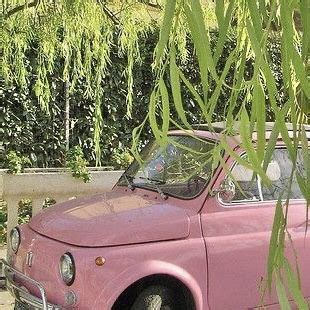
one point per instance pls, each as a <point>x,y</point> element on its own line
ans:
<point>271,145</point>
<point>294,287</point>
<point>283,300</point>
<point>256,19</point>
<point>176,89</point>
<point>166,108</point>
<point>199,100</point>
<point>259,107</point>
<point>305,13</point>
<point>152,116</point>
<point>274,245</point>
<point>200,38</point>
<point>223,23</point>
<point>165,29</point>
<point>216,93</point>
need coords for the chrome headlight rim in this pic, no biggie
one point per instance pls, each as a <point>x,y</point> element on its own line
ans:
<point>15,246</point>
<point>69,257</point>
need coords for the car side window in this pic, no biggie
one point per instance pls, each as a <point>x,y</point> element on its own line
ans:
<point>246,183</point>
<point>249,188</point>
<point>279,171</point>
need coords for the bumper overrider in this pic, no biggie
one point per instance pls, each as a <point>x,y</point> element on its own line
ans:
<point>20,293</point>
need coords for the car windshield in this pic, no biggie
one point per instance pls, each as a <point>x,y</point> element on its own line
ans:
<point>181,168</point>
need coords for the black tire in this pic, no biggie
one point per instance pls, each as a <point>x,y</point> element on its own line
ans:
<point>156,297</point>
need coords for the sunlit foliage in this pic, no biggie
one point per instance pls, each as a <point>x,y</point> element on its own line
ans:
<point>254,23</point>
<point>79,34</point>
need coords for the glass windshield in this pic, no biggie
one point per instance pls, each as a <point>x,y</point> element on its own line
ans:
<point>181,168</point>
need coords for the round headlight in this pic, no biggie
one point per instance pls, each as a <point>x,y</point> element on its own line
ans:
<point>67,268</point>
<point>15,239</point>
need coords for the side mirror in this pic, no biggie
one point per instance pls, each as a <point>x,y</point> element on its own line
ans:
<point>226,190</point>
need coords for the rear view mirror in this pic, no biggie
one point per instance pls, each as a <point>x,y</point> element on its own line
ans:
<point>226,190</point>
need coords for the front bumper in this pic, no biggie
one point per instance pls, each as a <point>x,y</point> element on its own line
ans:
<point>20,294</point>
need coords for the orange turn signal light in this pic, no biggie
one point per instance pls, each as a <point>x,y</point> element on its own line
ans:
<point>100,261</point>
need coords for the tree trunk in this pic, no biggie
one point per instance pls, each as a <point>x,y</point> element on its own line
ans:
<point>67,116</point>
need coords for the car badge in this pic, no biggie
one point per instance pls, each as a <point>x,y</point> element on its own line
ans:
<point>29,258</point>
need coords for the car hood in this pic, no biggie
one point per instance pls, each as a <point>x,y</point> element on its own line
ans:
<point>112,219</point>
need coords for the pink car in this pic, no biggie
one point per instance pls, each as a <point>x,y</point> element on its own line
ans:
<point>174,233</point>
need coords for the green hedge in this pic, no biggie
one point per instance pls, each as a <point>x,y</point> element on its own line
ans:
<point>31,133</point>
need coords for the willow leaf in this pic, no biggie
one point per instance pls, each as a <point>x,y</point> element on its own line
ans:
<point>152,116</point>
<point>286,138</point>
<point>216,93</point>
<point>274,244</point>
<point>259,104</point>
<point>283,300</point>
<point>136,139</point>
<point>201,42</point>
<point>294,287</point>
<point>263,10</point>
<point>271,145</point>
<point>301,72</point>
<point>195,94</point>
<point>219,12</point>
<point>165,29</point>
<point>176,89</point>
<point>238,79</point>
<point>256,19</point>
<point>223,28</point>
<point>305,13</point>
<point>165,109</point>
<point>246,139</point>
<point>266,71</point>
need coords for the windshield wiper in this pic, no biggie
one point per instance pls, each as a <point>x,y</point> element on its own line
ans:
<point>153,180</point>
<point>161,193</point>
<point>128,179</point>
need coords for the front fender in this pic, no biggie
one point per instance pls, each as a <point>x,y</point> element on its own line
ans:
<point>119,284</point>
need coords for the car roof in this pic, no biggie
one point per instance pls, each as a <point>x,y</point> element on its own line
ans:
<point>219,127</point>
<point>233,139</point>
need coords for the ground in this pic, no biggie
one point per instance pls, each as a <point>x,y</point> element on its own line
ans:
<point>6,301</point>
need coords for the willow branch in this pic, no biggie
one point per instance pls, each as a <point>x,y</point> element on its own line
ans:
<point>24,6</point>
<point>109,13</point>
<point>156,6</point>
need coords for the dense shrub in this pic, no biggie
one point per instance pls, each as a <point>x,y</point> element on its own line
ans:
<point>40,137</point>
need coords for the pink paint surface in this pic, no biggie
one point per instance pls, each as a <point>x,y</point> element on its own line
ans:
<point>218,252</point>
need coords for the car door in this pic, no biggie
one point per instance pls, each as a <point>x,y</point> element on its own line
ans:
<point>237,235</point>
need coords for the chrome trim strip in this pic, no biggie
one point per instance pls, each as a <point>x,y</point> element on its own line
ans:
<point>22,295</point>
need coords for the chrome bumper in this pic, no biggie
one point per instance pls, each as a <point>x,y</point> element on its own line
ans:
<point>20,294</point>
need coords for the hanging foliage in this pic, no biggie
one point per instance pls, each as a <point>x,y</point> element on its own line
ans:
<point>255,23</point>
<point>79,34</point>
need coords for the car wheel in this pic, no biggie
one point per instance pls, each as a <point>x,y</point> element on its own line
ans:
<point>156,298</point>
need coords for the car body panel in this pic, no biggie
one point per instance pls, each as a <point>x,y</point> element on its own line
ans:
<point>98,287</point>
<point>96,221</point>
<point>218,251</point>
<point>237,241</point>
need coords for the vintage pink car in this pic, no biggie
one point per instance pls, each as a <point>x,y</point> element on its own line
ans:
<point>174,233</point>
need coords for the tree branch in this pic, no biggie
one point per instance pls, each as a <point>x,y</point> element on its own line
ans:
<point>109,13</point>
<point>21,7</point>
<point>153,5</point>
